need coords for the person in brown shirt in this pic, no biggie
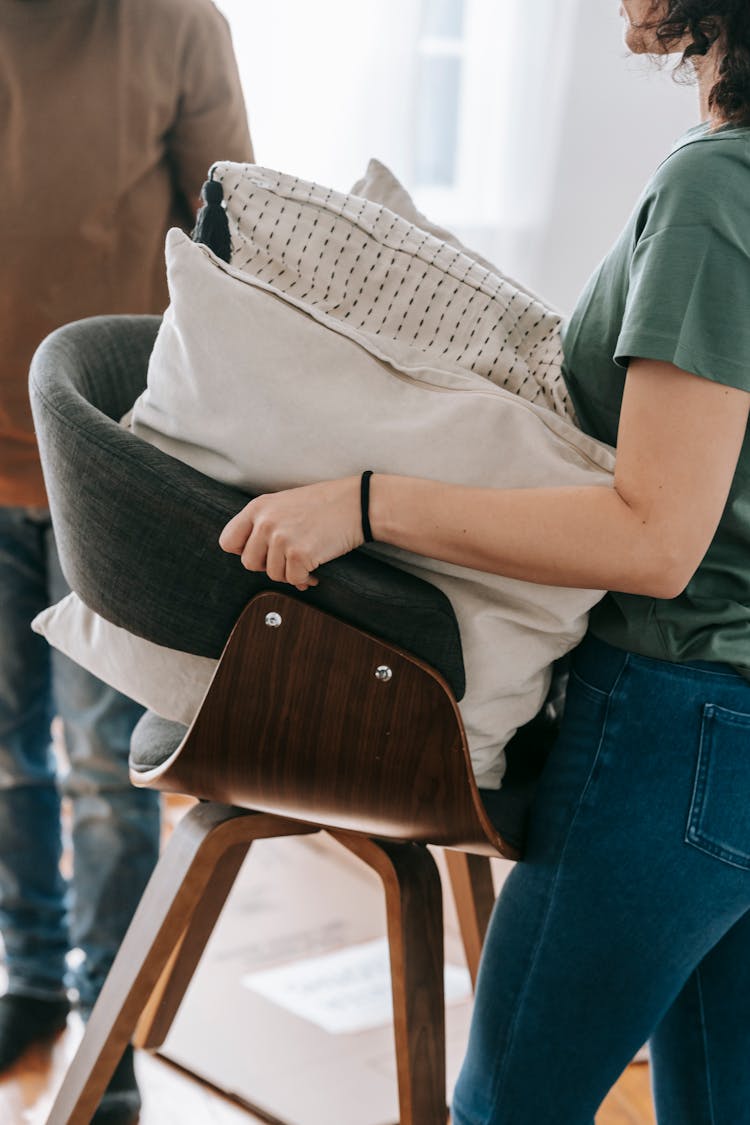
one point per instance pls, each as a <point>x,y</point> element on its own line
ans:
<point>111,112</point>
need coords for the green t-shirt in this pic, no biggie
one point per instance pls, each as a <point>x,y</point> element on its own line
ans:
<point>676,287</point>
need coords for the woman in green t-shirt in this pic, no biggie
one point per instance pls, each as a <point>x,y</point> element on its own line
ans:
<point>629,918</point>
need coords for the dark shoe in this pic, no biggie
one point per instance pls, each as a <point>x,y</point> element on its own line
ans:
<point>121,1101</point>
<point>25,1020</point>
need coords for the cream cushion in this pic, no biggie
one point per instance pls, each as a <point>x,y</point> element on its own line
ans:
<point>171,683</point>
<point>266,376</point>
<point>263,391</point>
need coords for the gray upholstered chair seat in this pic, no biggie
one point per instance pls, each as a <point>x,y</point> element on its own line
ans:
<point>153,740</point>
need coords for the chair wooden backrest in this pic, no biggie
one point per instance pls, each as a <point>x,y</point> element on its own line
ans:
<point>308,717</point>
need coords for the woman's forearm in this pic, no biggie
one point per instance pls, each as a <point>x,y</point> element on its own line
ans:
<point>581,537</point>
<point>678,446</point>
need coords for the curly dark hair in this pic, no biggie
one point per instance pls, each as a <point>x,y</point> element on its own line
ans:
<point>706,22</point>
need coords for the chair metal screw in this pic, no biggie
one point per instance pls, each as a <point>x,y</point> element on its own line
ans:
<point>383,673</point>
<point>273,620</point>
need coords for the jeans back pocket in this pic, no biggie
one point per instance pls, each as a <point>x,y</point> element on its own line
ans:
<point>719,818</point>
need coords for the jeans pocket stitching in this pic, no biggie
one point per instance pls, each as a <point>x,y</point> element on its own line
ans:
<point>598,693</point>
<point>695,835</point>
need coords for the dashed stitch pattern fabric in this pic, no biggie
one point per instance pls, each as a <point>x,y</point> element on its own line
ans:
<point>364,265</point>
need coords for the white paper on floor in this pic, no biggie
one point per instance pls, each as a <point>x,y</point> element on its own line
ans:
<point>345,991</point>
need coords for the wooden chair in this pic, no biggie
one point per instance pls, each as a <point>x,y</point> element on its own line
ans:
<point>311,723</point>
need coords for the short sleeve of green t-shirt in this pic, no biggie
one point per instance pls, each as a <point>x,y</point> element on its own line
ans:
<point>676,287</point>
<point>688,303</point>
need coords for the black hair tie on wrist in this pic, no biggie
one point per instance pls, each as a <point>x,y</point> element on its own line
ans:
<point>364,501</point>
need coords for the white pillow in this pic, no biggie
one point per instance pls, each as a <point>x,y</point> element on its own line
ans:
<point>146,672</point>
<point>264,389</point>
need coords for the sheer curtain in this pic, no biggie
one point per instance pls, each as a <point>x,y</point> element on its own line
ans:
<point>572,128</point>
<point>327,84</point>
<point>457,95</point>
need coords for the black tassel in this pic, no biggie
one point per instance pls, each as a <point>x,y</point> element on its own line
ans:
<point>212,225</point>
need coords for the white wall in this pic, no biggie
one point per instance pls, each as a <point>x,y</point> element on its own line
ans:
<point>572,132</point>
<point>619,118</point>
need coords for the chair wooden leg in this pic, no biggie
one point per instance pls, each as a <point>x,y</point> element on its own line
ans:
<point>474,894</point>
<point>415,935</point>
<point>182,877</point>
<point>164,1002</point>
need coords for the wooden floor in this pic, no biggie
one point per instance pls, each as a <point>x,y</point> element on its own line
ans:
<point>170,1096</point>
<point>629,1103</point>
<point>173,1097</point>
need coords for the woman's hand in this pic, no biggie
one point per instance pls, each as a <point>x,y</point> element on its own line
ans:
<point>290,534</point>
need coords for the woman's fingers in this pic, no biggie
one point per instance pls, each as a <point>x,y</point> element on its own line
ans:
<point>289,533</point>
<point>237,532</point>
<point>276,562</point>
<point>254,554</point>
<point>299,569</point>
<point>272,552</point>
<point>306,585</point>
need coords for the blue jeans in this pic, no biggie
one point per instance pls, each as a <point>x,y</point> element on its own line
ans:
<point>115,827</point>
<point>629,918</point>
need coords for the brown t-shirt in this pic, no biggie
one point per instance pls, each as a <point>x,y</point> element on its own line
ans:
<point>111,112</point>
